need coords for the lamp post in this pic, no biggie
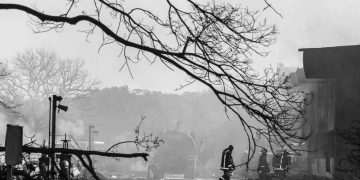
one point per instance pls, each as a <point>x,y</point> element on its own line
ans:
<point>55,99</point>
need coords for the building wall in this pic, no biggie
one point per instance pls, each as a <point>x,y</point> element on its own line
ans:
<point>320,116</point>
<point>339,65</point>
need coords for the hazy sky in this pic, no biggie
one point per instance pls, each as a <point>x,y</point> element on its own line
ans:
<point>306,23</point>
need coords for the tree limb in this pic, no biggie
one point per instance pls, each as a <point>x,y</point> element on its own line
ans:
<point>28,149</point>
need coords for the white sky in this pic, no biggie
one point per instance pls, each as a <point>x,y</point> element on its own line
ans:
<point>306,23</point>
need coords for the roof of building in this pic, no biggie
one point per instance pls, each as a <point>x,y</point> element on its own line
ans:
<point>331,62</point>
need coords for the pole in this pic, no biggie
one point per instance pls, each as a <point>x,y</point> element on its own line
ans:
<point>90,140</point>
<point>53,136</point>
<point>49,140</point>
<point>195,160</point>
<point>49,121</point>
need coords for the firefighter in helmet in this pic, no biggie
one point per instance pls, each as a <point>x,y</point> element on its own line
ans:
<point>263,166</point>
<point>227,163</point>
<point>285,160</point>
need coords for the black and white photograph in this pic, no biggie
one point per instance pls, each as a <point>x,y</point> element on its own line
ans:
<point>179,90</point>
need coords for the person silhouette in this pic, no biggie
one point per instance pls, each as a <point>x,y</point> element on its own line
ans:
<point>263,166</point>
<point>285,161</point>
<point>227,163</point>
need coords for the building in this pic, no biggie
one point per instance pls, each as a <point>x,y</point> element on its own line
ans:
<point>331,76</point>
<point>320,116</point>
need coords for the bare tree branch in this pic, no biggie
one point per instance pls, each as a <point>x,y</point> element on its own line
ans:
<point>268,5</point>
<point>212,43</point>
<point>146,141</point>
<point>29,149</point>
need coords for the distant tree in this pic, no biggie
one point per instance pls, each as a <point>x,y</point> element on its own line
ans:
<point>4,101</point>
<point>212,43</point>
<point>37,74</point>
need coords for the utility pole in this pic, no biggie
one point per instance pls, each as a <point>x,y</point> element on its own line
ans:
<point>55,99</point>
<point>53,135</point>
<point>92,133</point>
<point>90,136</point>
<point>49,140</point>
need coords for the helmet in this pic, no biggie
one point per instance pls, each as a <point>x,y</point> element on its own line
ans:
<point>285,151</point>
<point>231,147</point>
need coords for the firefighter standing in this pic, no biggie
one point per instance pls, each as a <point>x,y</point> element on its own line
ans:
<point>285,160</point>
<point>227,163</point>
<point>263,166</point>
